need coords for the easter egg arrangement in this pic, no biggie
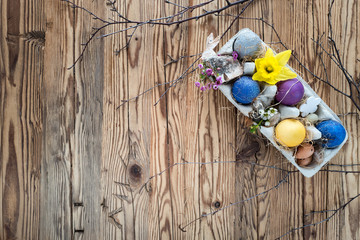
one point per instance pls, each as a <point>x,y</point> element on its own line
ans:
<point>283,107</point>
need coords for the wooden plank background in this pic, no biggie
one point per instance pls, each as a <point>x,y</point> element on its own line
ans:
<point>72,164</point>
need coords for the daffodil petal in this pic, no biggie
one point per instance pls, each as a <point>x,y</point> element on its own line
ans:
<point>269,53</point>
<point>257,62</point>
<point>271,81</point>
<point>283,57</point>
<point>257,77</point>
<point>285,74</point>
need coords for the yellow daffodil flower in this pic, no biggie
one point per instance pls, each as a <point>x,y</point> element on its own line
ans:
<point>271,69</point>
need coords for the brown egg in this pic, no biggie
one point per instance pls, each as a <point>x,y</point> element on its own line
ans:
<point>305,150</point>
<point>304,162</point>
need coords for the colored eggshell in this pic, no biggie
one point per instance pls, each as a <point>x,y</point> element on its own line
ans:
<point>290,132</point>
<point>248,45</point>
<point>289,92</point>
<point>333,132</point>
<point>304,161</point>
<point>245,90</point>
<point>305,150</point>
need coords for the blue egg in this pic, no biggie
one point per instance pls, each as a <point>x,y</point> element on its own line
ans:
<point>333,132</point>
<point>244,90</point>
<point>248,44</point>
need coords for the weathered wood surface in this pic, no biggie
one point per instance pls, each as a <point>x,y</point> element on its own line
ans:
<point>72,164</point>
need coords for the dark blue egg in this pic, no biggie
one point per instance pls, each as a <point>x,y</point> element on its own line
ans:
<point>244,90</point>
<point>333,132</point>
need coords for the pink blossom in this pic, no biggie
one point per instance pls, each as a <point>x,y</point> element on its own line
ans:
<point>215,87</point>
<point>201,66</point>
<point>197,84</point>
<point>209,71</point>
<point>202,88</point>
<point>235,55</point>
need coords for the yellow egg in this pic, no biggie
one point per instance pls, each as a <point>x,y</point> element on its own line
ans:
<point>290,132</point>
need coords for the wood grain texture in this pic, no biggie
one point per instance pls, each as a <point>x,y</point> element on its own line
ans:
<point>88,115</point>
<point>117,211</point>
<point>183,120</point>
<point>58,124</point>
<point>72,164</point>
<point>21,68</point>
<point>343,187</point>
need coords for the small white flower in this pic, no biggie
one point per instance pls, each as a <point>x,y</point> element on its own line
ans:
<point>273,110</point>
<point>261,112</point>
<point>267,123</point>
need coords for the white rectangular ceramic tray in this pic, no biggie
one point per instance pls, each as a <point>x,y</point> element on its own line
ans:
<point>324,112</point>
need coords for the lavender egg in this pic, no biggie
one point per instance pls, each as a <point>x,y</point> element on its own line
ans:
<point>289,92</point>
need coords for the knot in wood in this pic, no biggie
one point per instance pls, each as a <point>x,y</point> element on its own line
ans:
<point>135,172</point>
<point>217,204</point>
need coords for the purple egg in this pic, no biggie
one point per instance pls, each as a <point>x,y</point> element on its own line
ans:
<point>289,92</point>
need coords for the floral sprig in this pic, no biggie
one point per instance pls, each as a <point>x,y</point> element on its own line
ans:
<point>265,116</point>
<point>209,78</point>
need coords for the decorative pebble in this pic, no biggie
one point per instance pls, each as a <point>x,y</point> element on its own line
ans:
<point>304,162</point>
<point>274,120</point>
<point>313,133</point>
<point>312,118</point>
<point>249,68</point>
<point>290,92</point>
<point>290,132</point>
<point>310,106</point>
<point>244,90</point>
<point>304,151</point>
<point>248,44</point>
<point>288,112</point>
<point>267,95</point>
<point>333,132</point>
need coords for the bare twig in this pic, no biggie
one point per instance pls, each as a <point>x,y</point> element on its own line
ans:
<point>334,212</point>
<point>172,60</point>
<point>185,73</point>
<point>283,180</point>
<point>134,24</point>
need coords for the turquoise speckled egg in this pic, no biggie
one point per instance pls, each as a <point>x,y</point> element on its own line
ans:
<point>333,132</point>
<point>245,90</point>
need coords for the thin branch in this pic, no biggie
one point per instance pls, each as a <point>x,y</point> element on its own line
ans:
<point>343,165</point>
<point>95,17</point>
<point>283,180</point>
<point>334,212</point>
<point>134,24</point>
<point>172,60</point>
<point>175,81</point>
<point>175,4</point>
<point>236,18</point>
<point>86,44</point>
<point>186,72</point>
